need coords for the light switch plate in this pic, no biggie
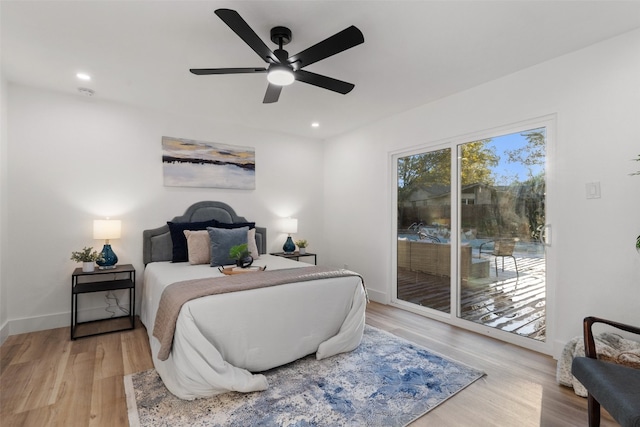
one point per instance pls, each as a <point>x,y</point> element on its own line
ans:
<point>593,190</point>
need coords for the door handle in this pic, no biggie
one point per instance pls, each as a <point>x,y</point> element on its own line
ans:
<point>545,234</point>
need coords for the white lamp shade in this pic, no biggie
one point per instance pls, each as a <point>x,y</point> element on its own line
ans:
<point>289,225</point>
<point>105,229</point>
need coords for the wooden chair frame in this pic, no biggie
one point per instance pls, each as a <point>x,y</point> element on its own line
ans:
<point>590,352</point>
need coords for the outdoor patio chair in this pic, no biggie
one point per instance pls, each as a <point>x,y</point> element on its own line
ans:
<point>504,248</point>
<point>614,386</point>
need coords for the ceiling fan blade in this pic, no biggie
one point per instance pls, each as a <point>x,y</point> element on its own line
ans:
<point>337,43</point>
<point>272,95</point>
<point>323,81</point>
<point>242,29</point>
<point>205,71</point>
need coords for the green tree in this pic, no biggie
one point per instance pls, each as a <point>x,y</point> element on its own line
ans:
<point>423,169</point>
<point>534,152</point>
<point>434,167</point>
<point>432,171</point>
<point>530,194</point>
<point>530,203</point>
<point>477,159</point>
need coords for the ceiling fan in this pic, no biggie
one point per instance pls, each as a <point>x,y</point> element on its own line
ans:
<point>284,69</point>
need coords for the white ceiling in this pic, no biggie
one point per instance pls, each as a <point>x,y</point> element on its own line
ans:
<point>139,52</point>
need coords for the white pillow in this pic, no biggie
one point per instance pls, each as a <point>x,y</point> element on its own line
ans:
<point>198,246</point>
<point>251,244</point>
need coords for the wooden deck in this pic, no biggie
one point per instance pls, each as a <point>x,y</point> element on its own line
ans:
<point>510,302</point>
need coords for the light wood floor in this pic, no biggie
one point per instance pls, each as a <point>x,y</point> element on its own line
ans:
<point>48,380</point>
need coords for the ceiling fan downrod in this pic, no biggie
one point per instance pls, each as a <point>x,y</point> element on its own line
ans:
<point>281,36</point>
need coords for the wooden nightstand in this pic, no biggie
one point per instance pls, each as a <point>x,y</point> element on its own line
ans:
<point>121,277</point>
<point>297,255</point>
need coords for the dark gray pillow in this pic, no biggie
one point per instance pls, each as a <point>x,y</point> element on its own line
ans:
<point>179,242</point>
<point>222,240</point>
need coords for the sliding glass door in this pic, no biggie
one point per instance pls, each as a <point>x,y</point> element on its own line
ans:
<point>470,232</point>
<point>424,224</point>
<point>502,218</point>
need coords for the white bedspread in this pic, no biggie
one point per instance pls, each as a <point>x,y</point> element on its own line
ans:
<point>221,339</point>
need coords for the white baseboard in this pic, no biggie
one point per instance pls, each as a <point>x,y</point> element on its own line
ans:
<point>377,296</point>
<point>38,323</point>
<point>4,332</point>
<point>52,321</point>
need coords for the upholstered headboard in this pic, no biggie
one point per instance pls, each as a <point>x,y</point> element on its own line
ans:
<point>157,245</point>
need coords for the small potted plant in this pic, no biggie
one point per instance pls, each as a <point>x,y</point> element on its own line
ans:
<point>302,246</point>
<point>241,254</point>
<point>87,256</point>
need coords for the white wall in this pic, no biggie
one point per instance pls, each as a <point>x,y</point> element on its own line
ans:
<point>75,159</point>
<point>4,328</point>
<point>596,96</point>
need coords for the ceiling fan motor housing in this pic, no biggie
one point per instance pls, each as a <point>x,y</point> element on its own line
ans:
<point>280,35</point>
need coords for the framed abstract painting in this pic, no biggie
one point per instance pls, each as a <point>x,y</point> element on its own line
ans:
<point>190,163</point>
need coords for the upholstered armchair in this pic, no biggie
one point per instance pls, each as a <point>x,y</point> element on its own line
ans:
<point>615,387</point>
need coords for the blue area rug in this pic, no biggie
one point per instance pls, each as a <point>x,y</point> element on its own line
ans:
<point>387,381</point>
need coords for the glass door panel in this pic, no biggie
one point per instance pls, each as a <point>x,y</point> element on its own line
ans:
<point>502,215</point>
<point>424,229</point>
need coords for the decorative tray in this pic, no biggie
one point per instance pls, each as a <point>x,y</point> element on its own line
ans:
<point>238,270</point>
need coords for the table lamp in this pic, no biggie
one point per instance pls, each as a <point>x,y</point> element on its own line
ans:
<point>289,225</point>
<point>107,229</point>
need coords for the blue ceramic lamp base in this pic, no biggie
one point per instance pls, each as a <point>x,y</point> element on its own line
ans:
<point>289,247</point>
<point>109,258</point>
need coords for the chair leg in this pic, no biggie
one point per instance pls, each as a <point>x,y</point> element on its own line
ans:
<point>495,262</point>
<point>594,411</point>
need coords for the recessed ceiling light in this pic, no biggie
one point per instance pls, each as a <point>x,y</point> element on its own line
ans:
<point>315,125</point>
<point>83,76</point>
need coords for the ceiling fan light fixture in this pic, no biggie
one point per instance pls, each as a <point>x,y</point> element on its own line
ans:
<point>280,75</point>
<point>282,69</point>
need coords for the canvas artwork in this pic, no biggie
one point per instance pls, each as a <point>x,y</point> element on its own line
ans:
<point>190,163</point>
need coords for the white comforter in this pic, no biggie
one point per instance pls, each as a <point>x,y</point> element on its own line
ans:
<point>221,339</point>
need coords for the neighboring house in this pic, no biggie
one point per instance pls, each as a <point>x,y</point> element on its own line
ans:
<point>438,194</point>
<point>478,194</point>
<point>435,194</point>
<point>431,203</point>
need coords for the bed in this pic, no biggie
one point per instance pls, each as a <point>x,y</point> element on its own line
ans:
<point>222,342</point>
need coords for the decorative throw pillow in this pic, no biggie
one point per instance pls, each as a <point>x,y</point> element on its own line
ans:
<point>234,225</point>
<point>222,239</point>
<point>198,246</point>
<point>251,243</point>
<point>179,241</point>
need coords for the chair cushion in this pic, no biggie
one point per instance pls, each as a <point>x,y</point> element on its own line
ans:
<point>615,387</point>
